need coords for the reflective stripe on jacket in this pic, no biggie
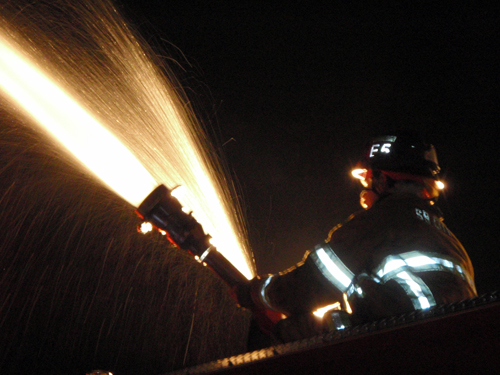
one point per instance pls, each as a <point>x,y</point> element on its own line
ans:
<point>395,257</point>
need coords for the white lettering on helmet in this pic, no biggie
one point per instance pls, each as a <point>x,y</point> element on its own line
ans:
<point>386,148</point>
<point>376,148</point>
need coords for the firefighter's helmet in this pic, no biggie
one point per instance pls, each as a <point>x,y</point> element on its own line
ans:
<point>403,156</point>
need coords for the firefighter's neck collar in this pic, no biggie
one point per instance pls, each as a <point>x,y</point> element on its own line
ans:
<point>369,197</point>
<point>409,188</point>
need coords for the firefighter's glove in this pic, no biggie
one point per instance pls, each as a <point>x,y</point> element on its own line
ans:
<point>247,294</point>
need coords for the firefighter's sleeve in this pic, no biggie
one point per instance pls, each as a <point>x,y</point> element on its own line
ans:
<point>298,290</point>
<point>403,282</point>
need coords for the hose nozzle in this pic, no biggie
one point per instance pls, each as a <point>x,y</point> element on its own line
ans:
<point>165,212</point>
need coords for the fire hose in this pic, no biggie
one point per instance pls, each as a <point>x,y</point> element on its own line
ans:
<point>165,213</point>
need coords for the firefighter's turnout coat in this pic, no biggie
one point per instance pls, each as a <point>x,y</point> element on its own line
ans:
<point>396,257</point>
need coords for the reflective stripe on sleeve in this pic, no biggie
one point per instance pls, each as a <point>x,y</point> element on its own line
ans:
<point>263,292</point>
<point>418,292</point>
<point>401,268</point>
<point>332,267</point>
<point>418,261</point>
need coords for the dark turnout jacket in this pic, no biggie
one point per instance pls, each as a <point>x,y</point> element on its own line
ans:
<point>396,257</point>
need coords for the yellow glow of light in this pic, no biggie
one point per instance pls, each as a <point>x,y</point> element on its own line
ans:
<point>359,173</point>
<point>347,305</point>
<point>213,241</point>
<point>178,192</point>
<point>73,127</point>
<point>146,227</point>
<point>320,312</point>
<point>440,185</point>
<point>106,157</point>
<point>363,204</point>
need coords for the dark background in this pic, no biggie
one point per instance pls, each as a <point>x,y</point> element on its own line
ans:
<point>289,94</point>
<point>290,91</point>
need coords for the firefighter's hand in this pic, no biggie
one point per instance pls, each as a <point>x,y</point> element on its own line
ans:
<point>247,294</point>
<point>297,327</point>
<point>264,317</point>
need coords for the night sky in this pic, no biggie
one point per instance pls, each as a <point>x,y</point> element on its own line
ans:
<point>290,91</point>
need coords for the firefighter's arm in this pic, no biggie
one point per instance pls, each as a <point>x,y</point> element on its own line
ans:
<point>299,290</point>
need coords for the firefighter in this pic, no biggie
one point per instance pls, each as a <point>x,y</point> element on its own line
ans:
<point>394,257</point>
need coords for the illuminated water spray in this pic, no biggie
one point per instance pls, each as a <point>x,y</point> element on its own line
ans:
<point>101,75</point>
<point>73,127</point>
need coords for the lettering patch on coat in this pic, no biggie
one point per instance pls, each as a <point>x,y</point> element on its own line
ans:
<point>432,220</point>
